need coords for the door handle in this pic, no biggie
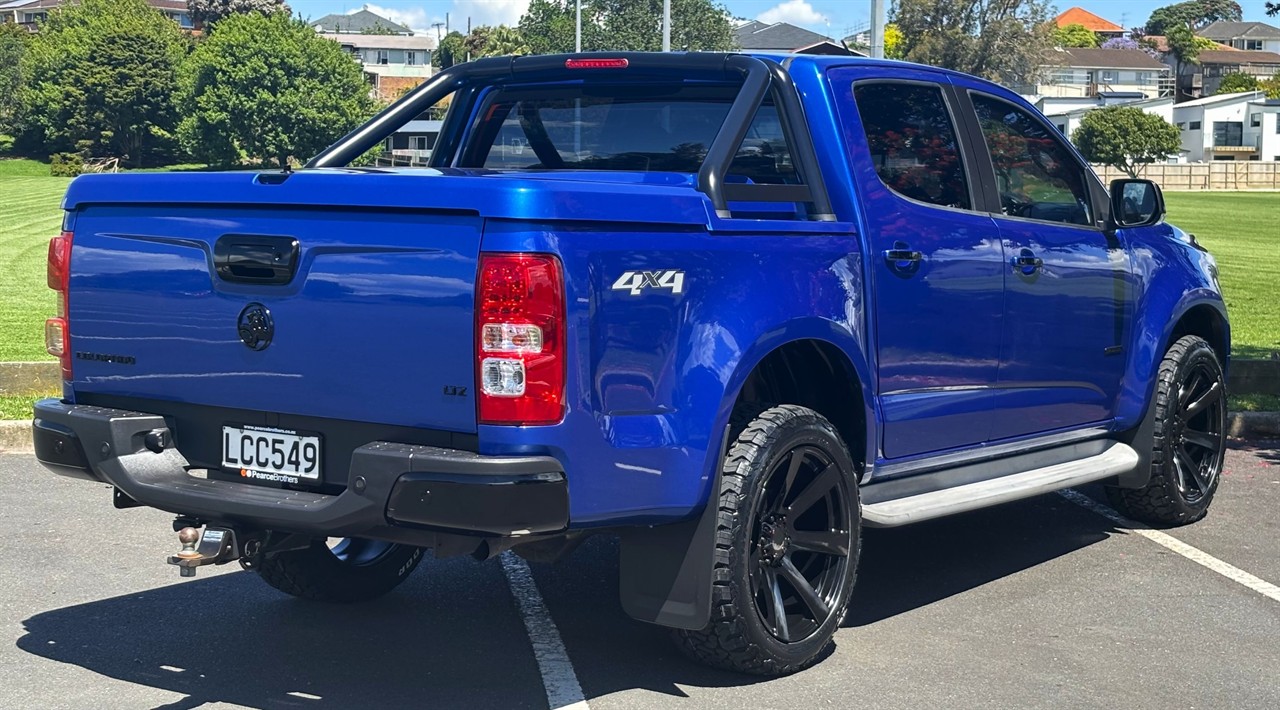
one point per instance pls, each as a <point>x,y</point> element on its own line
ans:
<point>902,255</point>
<point>1027,262</point>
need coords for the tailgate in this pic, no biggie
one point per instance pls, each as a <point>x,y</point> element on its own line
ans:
<point>375,324</point>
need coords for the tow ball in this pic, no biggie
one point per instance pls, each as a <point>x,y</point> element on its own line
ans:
<point>215,546</point>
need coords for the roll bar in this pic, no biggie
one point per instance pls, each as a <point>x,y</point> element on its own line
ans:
<point>759,77</point>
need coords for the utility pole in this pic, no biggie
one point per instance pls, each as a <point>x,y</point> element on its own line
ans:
<point>446,23</point>
<point>577,31</point>
<point>877,29</point>
<point>666,25</point>
<point>437,25</point>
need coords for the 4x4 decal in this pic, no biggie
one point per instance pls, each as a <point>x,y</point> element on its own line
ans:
<point>637,281</point>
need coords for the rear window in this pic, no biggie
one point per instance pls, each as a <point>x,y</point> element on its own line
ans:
<point>644,129</point>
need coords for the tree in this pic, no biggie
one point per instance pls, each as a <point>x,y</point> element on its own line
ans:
<point>452,50</point>
<point>1271,86</point>
<point>1075,36</point>
<point>1002,40</point>
<point>208,12</point>
<point>505,41</point>
<point>1193,14</point>
<point>1273,8</point>
<point>892,41</point>
<point>13,44</point>
<point>267,87</point>
<point>1126,138</point>
<point>1235,82</point>
<point>100,78</point>
<point>696,25</point>
<point>1184,48</point>
<point>1142,45</point>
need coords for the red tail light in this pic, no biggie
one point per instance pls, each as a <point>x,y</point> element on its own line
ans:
<point>600,63</point>
<point>57,333</point>
<point>520,339</point>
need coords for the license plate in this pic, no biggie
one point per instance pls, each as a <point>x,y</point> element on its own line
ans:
<point>269,454</point>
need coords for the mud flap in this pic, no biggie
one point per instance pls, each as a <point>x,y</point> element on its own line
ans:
<point>665,572</point>
<point>1142,439</point>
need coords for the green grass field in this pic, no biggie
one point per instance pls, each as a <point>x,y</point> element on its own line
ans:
<point>29,217</point>
<point>1241,229</point>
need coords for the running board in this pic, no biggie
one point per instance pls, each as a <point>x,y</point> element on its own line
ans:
<point>1116,459</point>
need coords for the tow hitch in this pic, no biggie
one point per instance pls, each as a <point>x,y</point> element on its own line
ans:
<point>220,545</point>
<point>216,546</point>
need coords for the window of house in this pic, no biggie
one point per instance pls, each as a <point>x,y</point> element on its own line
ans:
<point>1182,124</point>
<point>1035,172</point>
<point>1108,75</point>
<point>1195,125</point>
<point>419,143</point>
<point>1062,128</point>
<point>383,57</point>
<point>1143,77</point>
<point>1228,133</point>
<point>1253,44</point>
<point>1255,120</point>
<point>1278,123</point>
<point>913,142</point>
<point>411,58</point>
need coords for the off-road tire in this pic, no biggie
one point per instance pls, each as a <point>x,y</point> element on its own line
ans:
<point>317,573</point>
<point>1161,502</point>
<point>736,638</point>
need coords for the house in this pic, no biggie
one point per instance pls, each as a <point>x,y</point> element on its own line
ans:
<point>1105,29</point>
<point>29,13</point>
<point>784,37</point>
<point>413,143</point>
<point>1066,114</point>
<point>391,63</point>
<point>1205,76</point>
<point>1251,36</point>
<point>1241,126</point>
<point>359,22</point>
<point>394,59</point>
<point>1083,72</point>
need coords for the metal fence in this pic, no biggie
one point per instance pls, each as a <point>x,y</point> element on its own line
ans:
<point>1216,175</point>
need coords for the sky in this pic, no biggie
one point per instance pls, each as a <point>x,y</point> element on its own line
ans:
<point>836,18</point>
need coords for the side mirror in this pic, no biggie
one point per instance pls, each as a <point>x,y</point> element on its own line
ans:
<point>1136,203</point>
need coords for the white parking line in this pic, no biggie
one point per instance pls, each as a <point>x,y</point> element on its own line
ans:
<point>1195,554</point>
<point>558,678</point>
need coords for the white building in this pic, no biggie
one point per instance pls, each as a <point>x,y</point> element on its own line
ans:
<point>1083,72</point>
<point>1242,126</point>
<point>393,58</point>
<point>1251,36</point>
<point>1066,114</point>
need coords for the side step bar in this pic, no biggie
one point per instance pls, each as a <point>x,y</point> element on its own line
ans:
<point>1116,459</point>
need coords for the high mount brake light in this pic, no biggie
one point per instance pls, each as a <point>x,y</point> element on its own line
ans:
<point>57,333</point>
<point>617,63</point>
<point>520,339</point>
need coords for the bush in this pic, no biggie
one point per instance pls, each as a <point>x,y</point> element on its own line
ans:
<point>6,144</point>
<point>66,164</point>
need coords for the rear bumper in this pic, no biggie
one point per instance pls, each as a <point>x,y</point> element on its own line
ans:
<point>393,488</point>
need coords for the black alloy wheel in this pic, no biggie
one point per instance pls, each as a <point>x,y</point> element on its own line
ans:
<point>787,542</point>
<point>1190,439</point>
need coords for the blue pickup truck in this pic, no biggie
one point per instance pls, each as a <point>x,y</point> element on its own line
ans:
<point>729,308</point>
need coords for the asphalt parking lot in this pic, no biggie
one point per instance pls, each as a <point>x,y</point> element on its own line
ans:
<point>1041,603</point>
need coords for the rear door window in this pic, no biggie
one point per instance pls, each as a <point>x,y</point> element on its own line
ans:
<point>913,142</point>
<point>645,129</point>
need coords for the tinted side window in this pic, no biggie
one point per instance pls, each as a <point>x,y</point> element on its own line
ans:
<point>913,142</point>
<point>1036,174</point>
<point>606,130</point>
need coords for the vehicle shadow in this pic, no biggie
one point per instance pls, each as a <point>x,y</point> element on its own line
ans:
<point>452,636</point>
<point>445,640</point>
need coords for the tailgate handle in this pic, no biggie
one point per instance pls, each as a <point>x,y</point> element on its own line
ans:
<point>247,258</point>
